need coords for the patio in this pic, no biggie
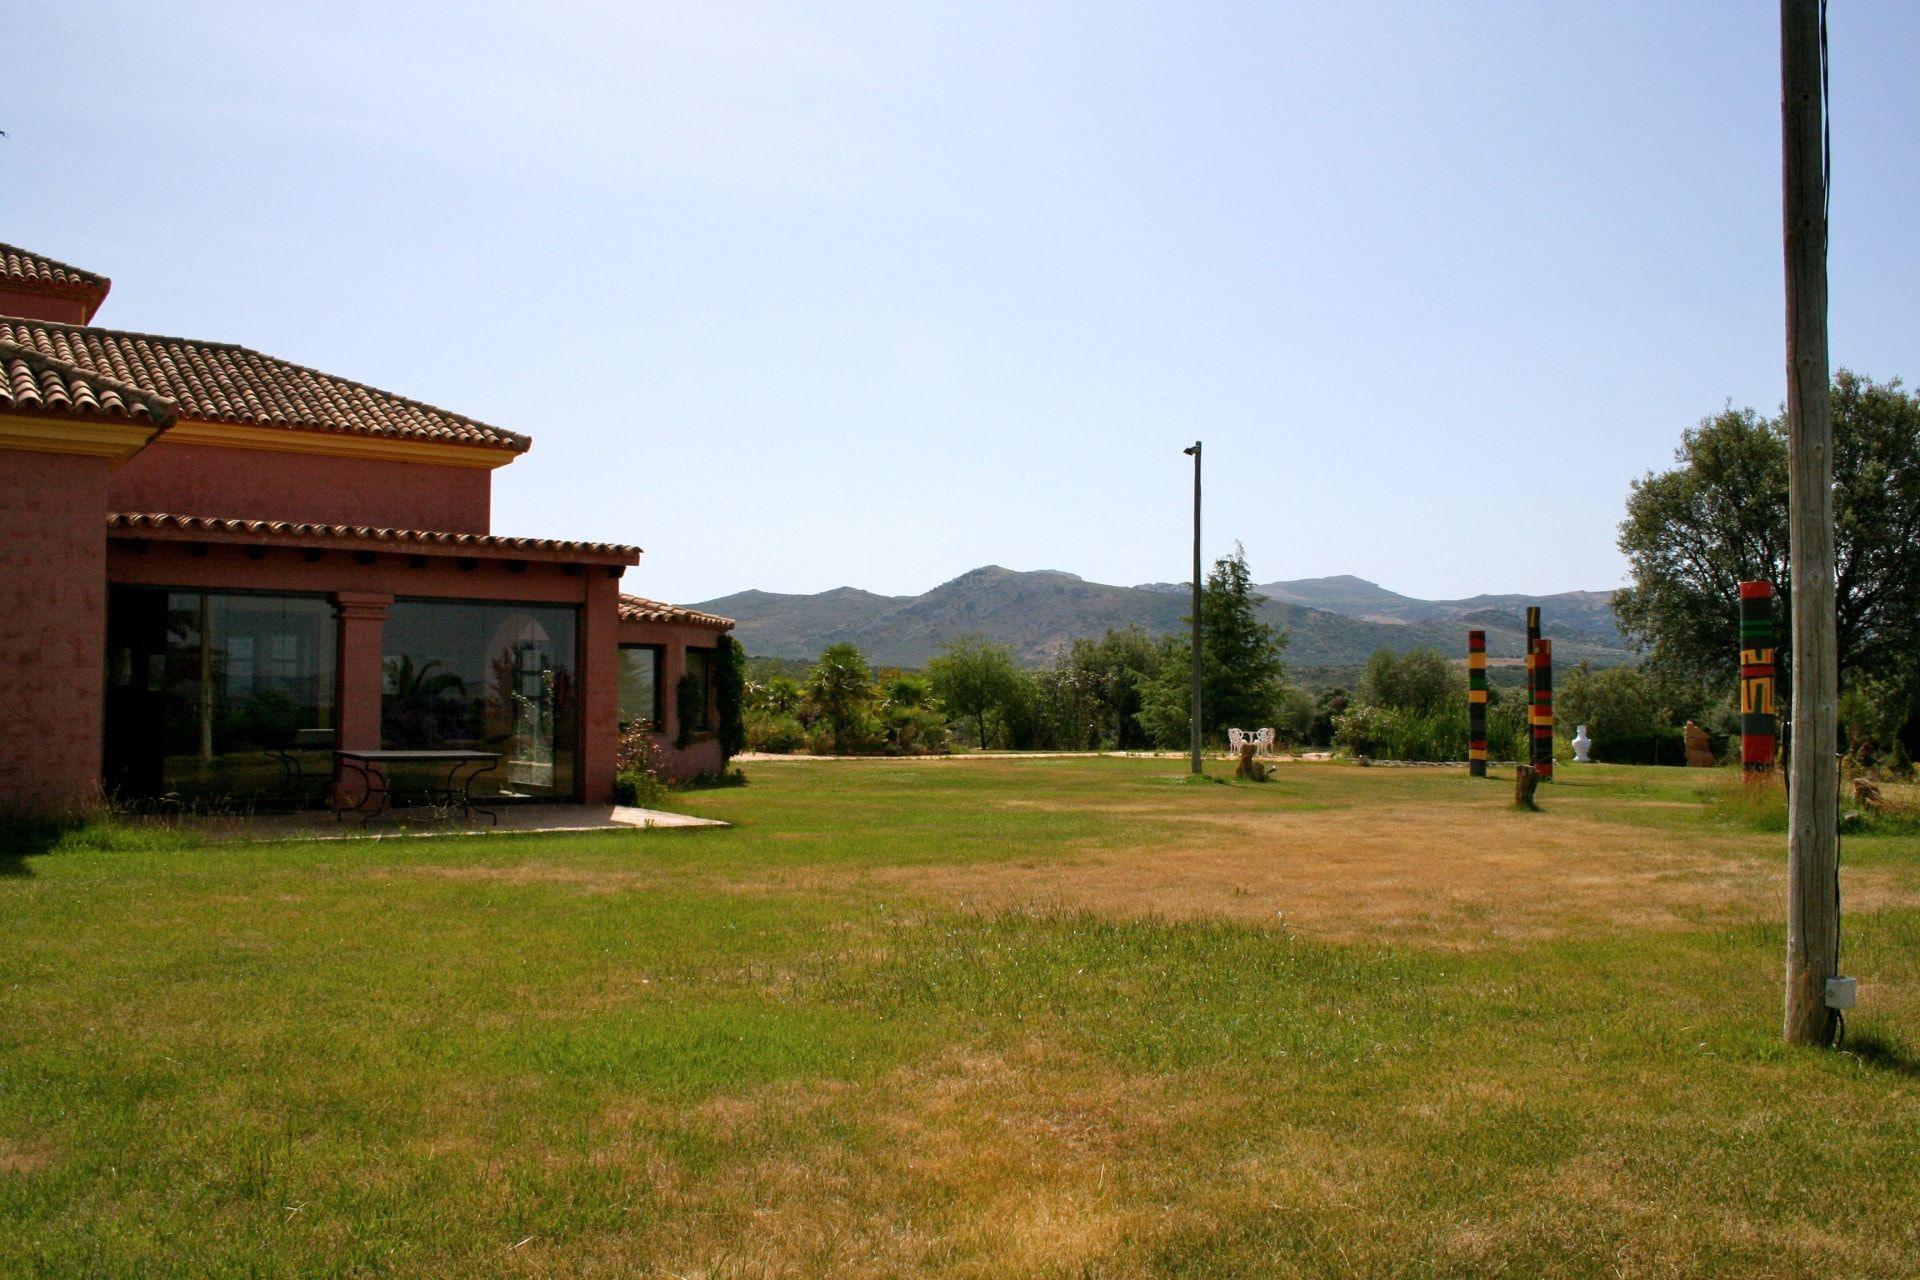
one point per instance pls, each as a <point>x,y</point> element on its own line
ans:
<point>514,820</point>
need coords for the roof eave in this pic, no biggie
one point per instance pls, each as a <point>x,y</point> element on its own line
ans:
<point>442,544</point>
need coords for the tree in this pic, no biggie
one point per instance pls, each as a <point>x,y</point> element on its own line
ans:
<point>1630,702</point>
<point>841,688</point>
<point>1241,676</point>
<point>780,695</point>
<point>729,694</point>
<point>1419,680</point>
<point>1090,696</point>
<point>1720,517</point>
<point>910,715</point>
<point>973,677</point>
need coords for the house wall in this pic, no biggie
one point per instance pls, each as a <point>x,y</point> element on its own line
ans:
<point>257,484</point>
<point>361,592</point>
<point>53,628</point>
<point>702,754</point>
<point>32,304</point>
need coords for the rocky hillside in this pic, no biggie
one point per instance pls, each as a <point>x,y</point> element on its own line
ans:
<point>1332,621</point>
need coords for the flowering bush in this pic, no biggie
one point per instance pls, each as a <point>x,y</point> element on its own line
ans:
<point>640,773</point>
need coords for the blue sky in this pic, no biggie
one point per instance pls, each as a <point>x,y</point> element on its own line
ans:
<point>797,296</point>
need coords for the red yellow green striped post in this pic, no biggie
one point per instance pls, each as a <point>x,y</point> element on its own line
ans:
<point>1477,704</point>
<point>1759,730</point>
<point>1540,713</point>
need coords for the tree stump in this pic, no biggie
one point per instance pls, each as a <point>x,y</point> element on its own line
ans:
<point>1525,781</point>
<point>1867,795</point>
<point>1699,746</point>
<point>1250,769</point>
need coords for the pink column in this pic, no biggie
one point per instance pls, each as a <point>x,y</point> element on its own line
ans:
<point>599,687</point>
<point>362,616</point>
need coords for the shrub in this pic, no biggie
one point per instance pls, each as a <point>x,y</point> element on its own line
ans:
<point>775,733</point>
<point>729,693</point>
<point>712,779</point>
<point>916,730</point>
<point>638,790</point>
<point>1659,746</point>
<point>640,773</point>
<point>1898,764</point>
<point>1396,733</point>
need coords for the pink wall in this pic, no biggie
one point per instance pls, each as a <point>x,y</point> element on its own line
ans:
<point>253,484</point>
<point>53,628</point>
<point>702,755</point>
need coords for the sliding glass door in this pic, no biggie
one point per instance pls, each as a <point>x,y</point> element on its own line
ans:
<point>219,700</point>
<point>485,676</point>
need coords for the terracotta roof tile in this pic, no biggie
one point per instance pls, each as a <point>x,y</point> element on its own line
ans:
<point>18,265</point>
<point>410,539</point>
<point>221,382</point>
<point>641,609</point>
<point>34,383</point>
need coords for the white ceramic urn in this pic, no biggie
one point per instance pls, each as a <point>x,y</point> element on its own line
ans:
<point>1581,745</point>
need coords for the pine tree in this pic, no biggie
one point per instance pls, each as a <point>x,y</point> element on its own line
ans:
<point>1242,680</point>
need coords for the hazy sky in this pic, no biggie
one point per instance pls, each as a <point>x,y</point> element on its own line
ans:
<point>797,296</point>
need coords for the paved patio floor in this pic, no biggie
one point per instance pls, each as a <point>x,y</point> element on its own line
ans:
<point>514,819</point>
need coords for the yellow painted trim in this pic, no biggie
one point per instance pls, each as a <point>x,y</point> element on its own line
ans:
<point>243,435</point>
<point>88,438</point>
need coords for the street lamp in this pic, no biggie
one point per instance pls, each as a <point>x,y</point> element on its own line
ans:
<point>1194,717</point>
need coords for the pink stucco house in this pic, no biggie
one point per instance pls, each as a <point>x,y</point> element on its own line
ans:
<point>218,566</point>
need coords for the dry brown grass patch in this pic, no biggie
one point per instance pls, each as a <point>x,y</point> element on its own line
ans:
<point>21,1157</point>
<point>1442,873</point>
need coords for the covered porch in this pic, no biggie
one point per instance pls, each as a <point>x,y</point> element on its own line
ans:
<point>243,654</point>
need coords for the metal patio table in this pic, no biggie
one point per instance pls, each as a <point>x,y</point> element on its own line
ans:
<point>456,793</point>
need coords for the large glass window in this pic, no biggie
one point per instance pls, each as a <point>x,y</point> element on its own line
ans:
<point>639,685</point>
<point>219,699</point>
<point>700,672</point>
<point>485,677</point>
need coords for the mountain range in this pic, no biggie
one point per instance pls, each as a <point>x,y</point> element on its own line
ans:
<point>1332,622</point>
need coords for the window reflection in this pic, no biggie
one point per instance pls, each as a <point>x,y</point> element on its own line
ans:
<point>484,677</point>
<point>700,674</point>
<point>219,698</point>
<point>639,685</point>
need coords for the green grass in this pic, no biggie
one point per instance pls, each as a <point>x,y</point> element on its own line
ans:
<point>770,1051</point>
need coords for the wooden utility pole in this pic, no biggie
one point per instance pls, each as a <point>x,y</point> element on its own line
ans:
<point>1194,718</point>
<point>1813,863</point>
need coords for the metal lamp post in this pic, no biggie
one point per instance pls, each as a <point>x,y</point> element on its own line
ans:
<point>1194,718</point>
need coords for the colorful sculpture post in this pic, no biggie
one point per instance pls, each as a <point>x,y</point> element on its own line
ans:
<point>1533,642</point>
<point>1759,729</point>
<point>1540,713</point>
<point>1477,704</point>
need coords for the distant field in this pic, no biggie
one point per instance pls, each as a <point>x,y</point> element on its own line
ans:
<point>975,1018</point>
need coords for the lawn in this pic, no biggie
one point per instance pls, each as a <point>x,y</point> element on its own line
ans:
<point>968,1018</point>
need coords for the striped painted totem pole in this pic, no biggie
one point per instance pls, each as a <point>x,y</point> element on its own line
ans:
<point>1477,704</point>
<point>1540,713</point>
<point>1533,638</point>
<point>1759,729</point>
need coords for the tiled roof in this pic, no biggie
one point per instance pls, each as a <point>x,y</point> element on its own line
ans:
<point>397,539</point>
<point>641,609</point>
<point>19,266</point>
<point>33,383</point>
<point>221,382</point>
